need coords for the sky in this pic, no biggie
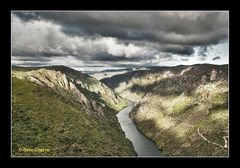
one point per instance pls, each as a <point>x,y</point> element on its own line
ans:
<point>100,40</point>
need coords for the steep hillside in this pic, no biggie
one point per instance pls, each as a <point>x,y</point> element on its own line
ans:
<point>183,109</point>
<point>58,111</point>
<point>64,80</point>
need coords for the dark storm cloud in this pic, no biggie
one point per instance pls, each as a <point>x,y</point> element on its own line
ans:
<point>118,36</point>
<point>181,50</point>
<point>203,51</point>
<point>109,57</point>
<point>216,58</point>
<point>187,28</point>
<point>26,16</point>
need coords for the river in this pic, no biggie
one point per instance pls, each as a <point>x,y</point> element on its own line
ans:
<point>142,145</point>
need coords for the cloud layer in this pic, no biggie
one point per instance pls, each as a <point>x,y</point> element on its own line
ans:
<point>116,38</point>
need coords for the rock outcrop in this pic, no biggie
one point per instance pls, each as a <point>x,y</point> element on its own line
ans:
<point>66,112</point>
<point>174,102</point>
<point>74,85</point>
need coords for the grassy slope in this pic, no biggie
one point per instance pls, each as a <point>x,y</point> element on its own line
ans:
<point>175,129</point>
<point>172,119</point>
<point>42,119</point>
<point>172,122</point>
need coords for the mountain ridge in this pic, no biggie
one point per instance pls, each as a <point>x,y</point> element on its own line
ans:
<point>183,109</point>
<point>87,109</point>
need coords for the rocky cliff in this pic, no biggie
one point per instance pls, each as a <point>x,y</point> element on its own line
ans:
<point>67,112</point>
<point>183,109</point>
<point>70,83</point>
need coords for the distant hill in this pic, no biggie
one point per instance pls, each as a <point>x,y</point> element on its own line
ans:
<point>183,109</point>
<point>116,80</point>
<point>67,112</point>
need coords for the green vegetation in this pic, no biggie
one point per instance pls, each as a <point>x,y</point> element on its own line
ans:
<point>174,128</point>
<point>182,113</point>
<point>219,100</point>
<point>42,119</point>
<point>182,107</point>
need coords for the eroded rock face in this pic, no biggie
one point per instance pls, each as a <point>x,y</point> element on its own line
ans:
<point>204,79</point>
<point>67,87</point>
<point>213,75</point>
<point>173,103</point>
<point>65,114</point>
<point>54,80</point>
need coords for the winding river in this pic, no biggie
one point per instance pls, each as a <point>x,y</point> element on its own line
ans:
<point>142,145</point>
